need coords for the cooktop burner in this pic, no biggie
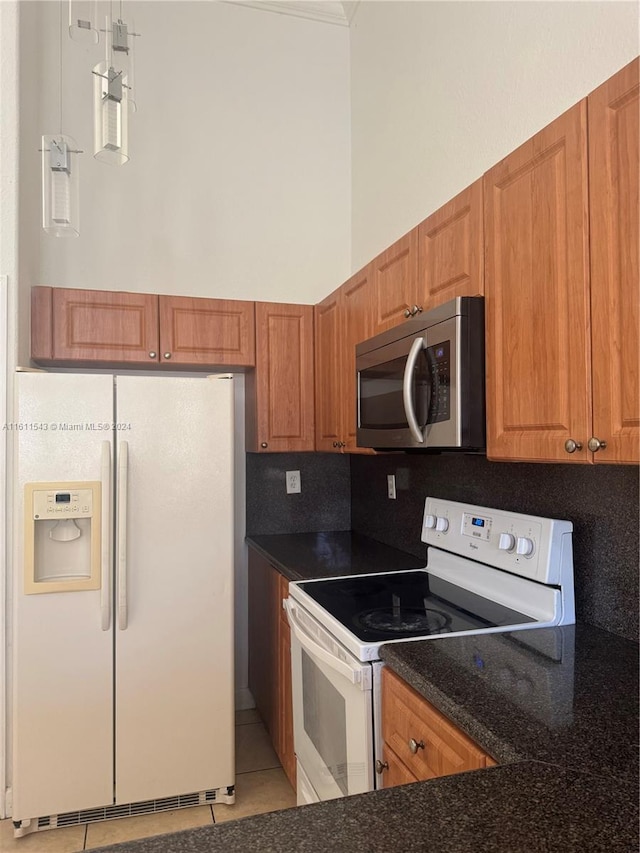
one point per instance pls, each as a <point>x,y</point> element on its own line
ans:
<point>399,619</point>
<point>406,604</point>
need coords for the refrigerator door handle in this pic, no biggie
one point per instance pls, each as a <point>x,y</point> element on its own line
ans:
<point>123,471</point>
<point>105,538</point>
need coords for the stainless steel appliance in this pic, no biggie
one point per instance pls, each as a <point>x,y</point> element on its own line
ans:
<point>421,384</point>
<point>487,571</point>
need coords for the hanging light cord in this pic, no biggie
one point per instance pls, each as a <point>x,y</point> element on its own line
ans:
<point>60,99</point>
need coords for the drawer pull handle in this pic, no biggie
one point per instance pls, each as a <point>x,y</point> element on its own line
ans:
<point>381,766</point>
<point>415,745</point>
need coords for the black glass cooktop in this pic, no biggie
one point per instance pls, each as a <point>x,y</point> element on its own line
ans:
<point>407,604</point>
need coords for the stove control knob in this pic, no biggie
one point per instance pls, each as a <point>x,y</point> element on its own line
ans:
<point>524,546</point>
<point>430,522</point>
<point>442,524</point>
<point>506,542</point>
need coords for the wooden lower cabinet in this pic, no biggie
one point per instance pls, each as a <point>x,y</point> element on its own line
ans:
<point>419,741</point>
<point>270,657</point>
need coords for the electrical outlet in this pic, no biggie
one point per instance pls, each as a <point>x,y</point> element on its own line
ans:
<point>391,486</point>
<point>294,486</point>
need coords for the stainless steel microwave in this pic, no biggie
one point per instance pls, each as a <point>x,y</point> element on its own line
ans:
<point>421,384</point>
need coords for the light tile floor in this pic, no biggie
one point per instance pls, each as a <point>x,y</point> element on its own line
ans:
<point>261,786</point>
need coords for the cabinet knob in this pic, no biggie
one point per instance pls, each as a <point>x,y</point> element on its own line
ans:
<point>416,309</point>
<point>167,355</point>
<point>263,444</point>
<point>152,354</point>
<point>595,444</point>
<point>571,446</point>
<point>381,766</point>
<point>407,312</point>
<point>415,745</point>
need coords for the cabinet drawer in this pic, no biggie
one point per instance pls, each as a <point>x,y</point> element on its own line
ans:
<point>426,742</point>
<point>395,773</point>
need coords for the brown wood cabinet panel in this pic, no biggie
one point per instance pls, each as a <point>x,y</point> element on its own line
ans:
<point>357,326</point>
<point>395,773</point>
<point>196,331</point>
<point>328,387</point>
<point>264,593</point>
<point>439,747</point>
<point>41,323</point>
<point>395,281</point>
<point>614,176</point>
<point>270,657</point>
<point>537,295</point>
<point>97,326</point>
<point>451,250</point>
<point>280,392</point>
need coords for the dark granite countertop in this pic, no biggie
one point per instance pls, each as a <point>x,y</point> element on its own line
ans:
<point>566,696</point>
<point>518,808</point>
<point>303,556</point>
<point>558,707</point>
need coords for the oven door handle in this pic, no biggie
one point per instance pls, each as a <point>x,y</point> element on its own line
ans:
<point>354,676</point>
<point>407,387</point>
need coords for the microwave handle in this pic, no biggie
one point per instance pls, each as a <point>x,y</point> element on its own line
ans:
<point>412,421</point>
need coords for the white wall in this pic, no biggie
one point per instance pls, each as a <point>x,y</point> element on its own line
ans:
<point>441,91</point>
<point>239,178</point>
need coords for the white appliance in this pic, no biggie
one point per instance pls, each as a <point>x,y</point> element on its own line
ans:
<point>123,698</point>
<point>487,571</point>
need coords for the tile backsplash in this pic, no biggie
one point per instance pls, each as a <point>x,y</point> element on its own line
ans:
<point>324,502</point>
<point>341,492</point>
<point>600,500</point>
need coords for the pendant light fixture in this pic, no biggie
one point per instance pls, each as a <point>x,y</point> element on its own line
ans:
<point>112,93</point>
<point>60,178</point>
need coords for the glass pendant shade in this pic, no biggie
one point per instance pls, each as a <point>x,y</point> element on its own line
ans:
<point>60,195</point>
<point>110,115</point>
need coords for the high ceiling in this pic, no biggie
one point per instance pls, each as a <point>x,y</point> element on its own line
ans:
<point>325,11</point>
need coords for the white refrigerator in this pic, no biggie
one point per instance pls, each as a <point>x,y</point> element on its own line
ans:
<point>122,693</point>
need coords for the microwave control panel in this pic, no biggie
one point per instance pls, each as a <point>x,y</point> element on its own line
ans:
<point>439,361</point>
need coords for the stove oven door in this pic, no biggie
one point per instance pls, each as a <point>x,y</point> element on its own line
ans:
<point>332,710</point>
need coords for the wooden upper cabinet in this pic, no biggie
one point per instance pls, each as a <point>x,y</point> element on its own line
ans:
<point>394,282</point>
<point>196,331</point>
<point>280,392</point>
<point>342,320</point>
<point>614,155</point>
<point>537,296</point>
<point>451,250</point>
<point>357,326</point>
<point>328,386</point>
<point>70,325</point>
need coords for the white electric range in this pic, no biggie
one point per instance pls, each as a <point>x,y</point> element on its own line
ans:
<point>487,571</point>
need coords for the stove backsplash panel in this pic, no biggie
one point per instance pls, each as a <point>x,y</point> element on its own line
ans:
<point>600,500</point>
<point>323,504</point>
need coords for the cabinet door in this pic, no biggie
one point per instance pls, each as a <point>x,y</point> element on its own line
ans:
<point>280,405</point>
<point>537,296</point>
<point>329,417</point>
<point>94,326</point>
<point>213,332</point>
<point>395,277</point>
<point>263,639</point>
<point>424,740</point>
<point>451,250</point>
<point>357,327</point>
<point>615,248</point>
